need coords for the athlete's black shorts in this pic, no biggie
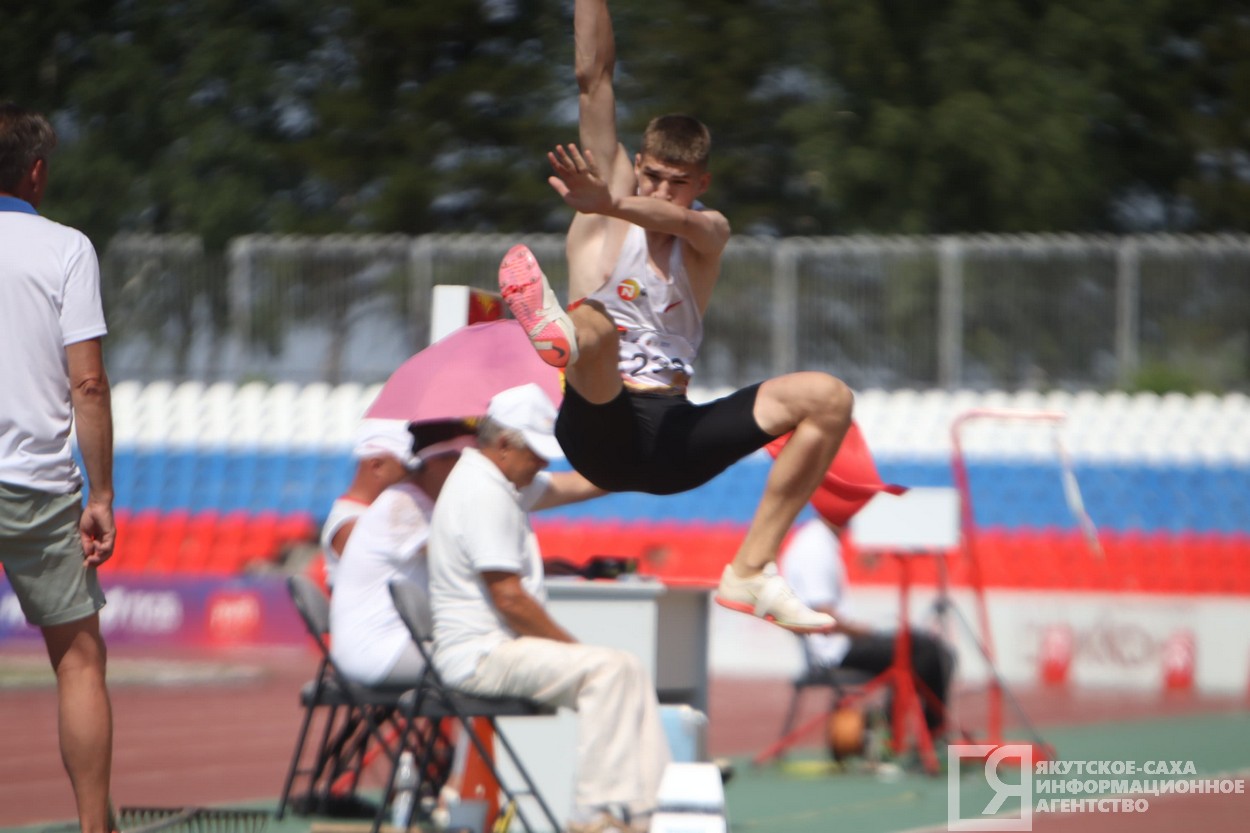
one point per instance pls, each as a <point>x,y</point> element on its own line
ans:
<point>657,443</point>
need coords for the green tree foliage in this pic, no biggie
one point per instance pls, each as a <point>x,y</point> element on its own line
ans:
<point>956,116</point>
<point>223,117</point>
<point>441,116</point>
<point>1209,41</point>
<point>173,115</point>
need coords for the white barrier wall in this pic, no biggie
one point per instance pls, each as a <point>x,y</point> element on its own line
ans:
<point>1118,640</point>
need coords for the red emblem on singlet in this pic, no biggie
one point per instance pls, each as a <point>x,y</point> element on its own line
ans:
<point>628,289</point>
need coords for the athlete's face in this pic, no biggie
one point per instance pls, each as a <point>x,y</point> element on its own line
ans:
<point>678,184</point>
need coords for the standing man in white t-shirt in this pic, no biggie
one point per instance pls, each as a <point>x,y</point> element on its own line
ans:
<point>383,453</point>
<point>52,375</point>
<point>493,635</point>
<point>368,641</point>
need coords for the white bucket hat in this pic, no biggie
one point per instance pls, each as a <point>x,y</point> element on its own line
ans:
<point>379,437</point>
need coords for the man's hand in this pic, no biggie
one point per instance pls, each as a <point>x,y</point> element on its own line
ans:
<point>97,531</point>
<point>577,180</point>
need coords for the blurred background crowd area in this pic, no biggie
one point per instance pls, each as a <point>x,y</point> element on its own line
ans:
<point>222,478</point>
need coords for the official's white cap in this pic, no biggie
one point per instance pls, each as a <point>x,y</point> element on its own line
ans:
<point>529,410</point>
<point>378,437</point>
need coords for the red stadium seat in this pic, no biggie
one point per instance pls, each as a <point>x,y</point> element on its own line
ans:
<point>296,528</point>
<point>232,529</point>
<point>197,546</point>
<point>261,542</point>
<point>141,539</point>
<point>166,551</point>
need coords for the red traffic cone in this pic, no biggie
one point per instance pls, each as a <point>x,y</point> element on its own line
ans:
<point>1058,642</point>
<point>1179,655</point>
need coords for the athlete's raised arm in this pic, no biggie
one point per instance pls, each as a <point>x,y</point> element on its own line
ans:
<point>594,45</point>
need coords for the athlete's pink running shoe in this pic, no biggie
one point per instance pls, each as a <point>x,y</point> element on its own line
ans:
<point>529,296</point>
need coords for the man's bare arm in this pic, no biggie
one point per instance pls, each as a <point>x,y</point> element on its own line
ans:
<point>93,425</point>
<point>706,232</point>
<point>338,542</point>
<point>567,487</point>
<point>594,45</point>
<point>519,610</point>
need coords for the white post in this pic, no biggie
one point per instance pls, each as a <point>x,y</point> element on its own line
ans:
<point>1127,303</point>
<point>950,322</point>
<point>785,309</point>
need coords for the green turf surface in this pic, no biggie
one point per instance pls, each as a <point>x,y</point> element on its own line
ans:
<point>801,796</point>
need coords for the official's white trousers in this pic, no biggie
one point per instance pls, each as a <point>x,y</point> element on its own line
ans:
<point>621,746</point>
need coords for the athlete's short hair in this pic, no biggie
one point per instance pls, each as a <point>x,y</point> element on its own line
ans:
<point>676,139</point>
<point>25,136</point>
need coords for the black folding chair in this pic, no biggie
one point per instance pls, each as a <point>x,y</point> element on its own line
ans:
<point>842,683</point>
<point>434,700</point>
<point>357,720</point>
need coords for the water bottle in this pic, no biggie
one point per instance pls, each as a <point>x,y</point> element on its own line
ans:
<point>876,737</point>
<point>405,791</point>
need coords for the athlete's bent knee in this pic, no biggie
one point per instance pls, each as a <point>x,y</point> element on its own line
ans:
<point>831,398</point>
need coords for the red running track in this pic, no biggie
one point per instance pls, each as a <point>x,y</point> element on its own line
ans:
<point>228,740</point>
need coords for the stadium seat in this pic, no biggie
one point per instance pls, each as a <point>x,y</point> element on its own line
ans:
<point>139,540</point>
<point>229,543</point>
<point>125,553</point>
<point>197,547</point>
<point>295,528</point>
<point>262,542</point>
<point>167,545</point>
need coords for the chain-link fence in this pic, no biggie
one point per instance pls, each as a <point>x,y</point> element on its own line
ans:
<point>1022,312</point>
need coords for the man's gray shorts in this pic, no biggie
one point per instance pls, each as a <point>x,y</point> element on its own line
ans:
<point>43,558</point>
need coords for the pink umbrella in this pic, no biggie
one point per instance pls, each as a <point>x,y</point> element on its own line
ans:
<point>456,376</point>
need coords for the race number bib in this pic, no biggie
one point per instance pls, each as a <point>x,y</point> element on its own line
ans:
<point>650,359</point>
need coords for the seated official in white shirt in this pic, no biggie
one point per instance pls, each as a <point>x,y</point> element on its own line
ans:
<point>493,635</point>
<point>383,452</point>
<point>368,641</point>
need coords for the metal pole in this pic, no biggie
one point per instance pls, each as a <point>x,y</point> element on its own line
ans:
<point>950,313</point>
<point>785,318</point>
<point>239,277</point>
<point>1127,309</point>
<point>420,290</point>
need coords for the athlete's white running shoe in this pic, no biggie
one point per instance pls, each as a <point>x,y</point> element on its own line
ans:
<point>528,294</point>
<point>768,596</point>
